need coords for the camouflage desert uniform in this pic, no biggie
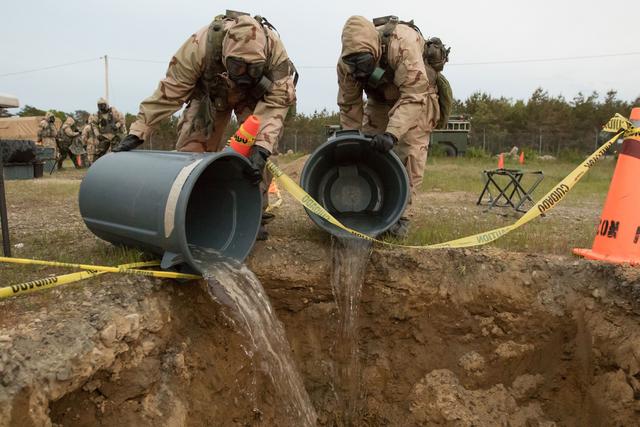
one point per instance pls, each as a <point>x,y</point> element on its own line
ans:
<point>90,137</point>
<point>111,128</point>
<point>201,127</point>
<point>67,137</point>
<point>405,104</point>
<point>47,132</point>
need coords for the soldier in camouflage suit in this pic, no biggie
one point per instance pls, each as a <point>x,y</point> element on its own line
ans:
<point>68,137</point>
<point>111,128</point>
<point>47,131</point>
<point>237,65</point>
<point>90,137</point>
<point>401,107</point>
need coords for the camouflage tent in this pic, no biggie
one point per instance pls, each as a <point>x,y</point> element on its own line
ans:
<point>25,128</point>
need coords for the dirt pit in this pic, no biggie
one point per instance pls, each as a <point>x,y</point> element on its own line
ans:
<point>454,337</point>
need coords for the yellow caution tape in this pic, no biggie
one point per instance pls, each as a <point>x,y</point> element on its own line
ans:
<point>52,282</point>
<point>106,269</point>
<point>617,124</point>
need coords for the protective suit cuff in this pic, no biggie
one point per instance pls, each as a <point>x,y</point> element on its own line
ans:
<point>266,145</point>
<point>140,130</point>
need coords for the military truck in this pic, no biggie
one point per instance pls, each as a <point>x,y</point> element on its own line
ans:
<point>454,139</point>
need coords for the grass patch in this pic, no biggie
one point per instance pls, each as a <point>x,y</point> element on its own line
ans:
<point>283,159</point>
<point>459,174</point>
<point>570,225</point>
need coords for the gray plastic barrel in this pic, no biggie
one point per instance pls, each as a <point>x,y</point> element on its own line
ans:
<point>362,188</point>
<point>168,202</point>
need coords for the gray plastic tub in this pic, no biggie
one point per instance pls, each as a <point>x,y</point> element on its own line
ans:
<point>362,188</point>
<point>168,202</point>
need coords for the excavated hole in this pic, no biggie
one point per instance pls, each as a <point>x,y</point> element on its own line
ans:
<point>457,338</point>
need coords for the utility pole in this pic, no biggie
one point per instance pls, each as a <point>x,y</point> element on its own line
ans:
<point>106,78</point>
<point>484,139</point>
<point>540,142</point>
<point>4,217</point>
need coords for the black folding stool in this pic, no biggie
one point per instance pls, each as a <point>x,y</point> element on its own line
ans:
<point>509,187</point>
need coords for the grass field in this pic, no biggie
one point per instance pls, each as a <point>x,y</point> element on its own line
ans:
<point>45,221</point>
<point>455,184</point>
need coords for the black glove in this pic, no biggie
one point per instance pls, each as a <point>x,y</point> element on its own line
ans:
<point>127,144</point>
<point>383,142</point>
<point>258,157</point>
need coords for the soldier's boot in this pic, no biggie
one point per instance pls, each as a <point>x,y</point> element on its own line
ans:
<point>399,230</point>
<point>263,234</point>
<point>60,161</point>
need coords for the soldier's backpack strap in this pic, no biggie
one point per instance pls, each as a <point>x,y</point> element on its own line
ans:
<point>211,89</point>
<point>387,25</point>
<point>280,71</point>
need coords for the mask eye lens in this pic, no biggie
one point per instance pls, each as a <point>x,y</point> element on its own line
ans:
<point>236,66</point>
<point>362,62</point>
<point>255,70</point>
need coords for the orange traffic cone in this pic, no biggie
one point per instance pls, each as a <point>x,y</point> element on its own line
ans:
<point>501,161</point>
<point>618,234</point>
<point>521,159</point>
<point>245,136</point>
<point>273,188</point>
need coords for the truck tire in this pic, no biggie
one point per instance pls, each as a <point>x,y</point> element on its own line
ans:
<point>449,151</point>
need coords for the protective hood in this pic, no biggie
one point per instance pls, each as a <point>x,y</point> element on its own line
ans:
<point>359,35</point>
<point>48,115</point>
<point>102,101</point>
<point>245,39</point>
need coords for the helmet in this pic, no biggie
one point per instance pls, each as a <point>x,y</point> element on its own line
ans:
<point>243,51</point>
<point>360,36</point>
<point>437,53</point>
<point>103,105</point>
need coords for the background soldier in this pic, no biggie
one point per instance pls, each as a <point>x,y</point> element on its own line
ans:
<point>90,137</point>
<point>47,131</point>
<point>68,137</point>
<point>111,128</point>
<point>237,64</point>
<point>389,63</point>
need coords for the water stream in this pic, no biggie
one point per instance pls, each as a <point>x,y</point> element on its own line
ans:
<point>236,287</point>
<point>349,258</point>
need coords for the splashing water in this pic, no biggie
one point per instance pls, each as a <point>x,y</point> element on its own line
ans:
<point>350,257</point>
<point>235,286</point>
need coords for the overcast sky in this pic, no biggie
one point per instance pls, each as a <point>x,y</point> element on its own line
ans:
<point>37,34</point>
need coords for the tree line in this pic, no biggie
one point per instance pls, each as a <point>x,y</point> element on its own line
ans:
<point>543,123</point>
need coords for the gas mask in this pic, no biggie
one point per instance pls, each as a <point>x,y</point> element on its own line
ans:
<point>244,75</point>
<point>52,119</point>
<point>361,65</point>
<point>102,108</point>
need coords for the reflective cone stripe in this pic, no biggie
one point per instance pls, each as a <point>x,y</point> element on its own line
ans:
<point>618,233</point>
<point>245,136</point>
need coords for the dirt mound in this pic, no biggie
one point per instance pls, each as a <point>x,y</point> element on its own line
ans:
<point>456,337</point>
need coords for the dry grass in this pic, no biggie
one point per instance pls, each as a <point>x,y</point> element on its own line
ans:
<point>46,223</point>
<point>449,216</point>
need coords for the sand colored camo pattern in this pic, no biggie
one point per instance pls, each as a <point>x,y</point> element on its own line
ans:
<point>406,107</point>
<point>186,69</point>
